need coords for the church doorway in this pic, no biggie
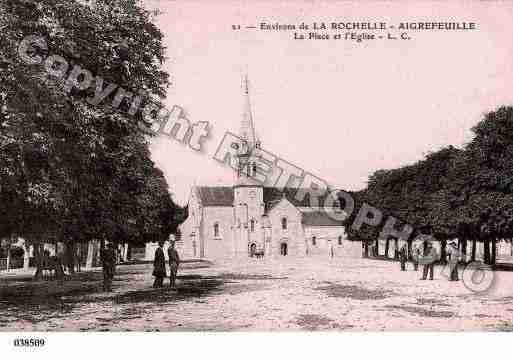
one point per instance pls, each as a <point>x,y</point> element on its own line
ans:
<point>283,249</point>
<point>252,250</point>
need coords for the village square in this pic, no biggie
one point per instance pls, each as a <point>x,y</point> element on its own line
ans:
<point>118,213</point>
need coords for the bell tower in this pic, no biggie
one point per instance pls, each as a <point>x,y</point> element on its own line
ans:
<point>248,193</point>
<point>249,145</point>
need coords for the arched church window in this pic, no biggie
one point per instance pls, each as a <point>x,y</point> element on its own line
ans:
<point>339,240</point>
<point>252,225</point>
<point>284,223</point>
<point>216,229</point>
<point>314,241</point>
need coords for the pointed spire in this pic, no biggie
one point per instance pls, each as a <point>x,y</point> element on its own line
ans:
<point>247,131</point>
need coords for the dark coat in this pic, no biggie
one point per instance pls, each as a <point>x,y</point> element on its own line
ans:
<point>159,263</point>
<point>174,258</point>
<point>403,253</point>
<point>108,258</point>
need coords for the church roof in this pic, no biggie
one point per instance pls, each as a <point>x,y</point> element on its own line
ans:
<point>221,196</point>
<point>319,219</point>
<point>273,195</point>
<point>215,196</point>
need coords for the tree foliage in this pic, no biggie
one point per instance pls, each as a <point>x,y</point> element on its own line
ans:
<point>71,171</point>
<point>465,193</point>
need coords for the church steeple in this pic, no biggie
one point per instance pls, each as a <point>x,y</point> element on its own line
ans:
<point>248,192</point>
<point>247,130</point>
<point>249,142</point>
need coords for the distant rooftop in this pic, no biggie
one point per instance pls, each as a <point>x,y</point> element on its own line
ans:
<point>222,196</point>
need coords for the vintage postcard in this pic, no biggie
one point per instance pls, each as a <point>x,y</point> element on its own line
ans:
<point>298,166</point>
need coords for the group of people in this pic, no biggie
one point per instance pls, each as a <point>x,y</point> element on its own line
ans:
<point>427,256</point>
<point>159,265</point>
<point>108,258</point>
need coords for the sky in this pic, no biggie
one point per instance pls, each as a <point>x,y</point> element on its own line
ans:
<point>338,109</point>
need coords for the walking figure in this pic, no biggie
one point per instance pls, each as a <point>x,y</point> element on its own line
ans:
<point>108,257</point>
<point>428,260</point>
<point>159,266</point>
<point>403,256</point>
<point>454,257</point>
<point>174,262</point>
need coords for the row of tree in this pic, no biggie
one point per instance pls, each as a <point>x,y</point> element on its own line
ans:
<point>71,172</point>
<point>464,194</point>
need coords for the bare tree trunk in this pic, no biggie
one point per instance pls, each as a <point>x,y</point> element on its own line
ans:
<point>90,250</point>
<point>70,256</point>
<point>493,258</point>
<point>26,256</point>
<point>486,255</point>
<point>473,253</point>
<point>387,245</point>
<point>464,249</point>
<point>396,249</point>
<point>443,251</point>
<point>9,245</point>
<point>8,257</point>
<point>102,249</point>
<point>78,257</point>
<point>125,251</point>
<point>409,242</point>
<point>38,255</point>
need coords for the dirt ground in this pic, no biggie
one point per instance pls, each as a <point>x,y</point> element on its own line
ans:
<point>280,294</point>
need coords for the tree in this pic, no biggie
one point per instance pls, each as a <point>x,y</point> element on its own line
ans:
<point>456,193</point>
<point>71,171</point>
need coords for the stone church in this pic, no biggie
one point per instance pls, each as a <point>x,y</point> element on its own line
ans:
<point>247,219</point>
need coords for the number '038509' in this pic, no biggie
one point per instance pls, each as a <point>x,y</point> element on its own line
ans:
<point>29,342</point>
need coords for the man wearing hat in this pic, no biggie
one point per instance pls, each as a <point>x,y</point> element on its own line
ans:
<point>174,262</point>
<point>454,257</point>
<point>159,266</point>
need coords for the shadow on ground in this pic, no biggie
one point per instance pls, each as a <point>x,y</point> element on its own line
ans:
<point>319,322</point>
<point>430,313</point>
<point>355,292</point>
<point>37,301</point>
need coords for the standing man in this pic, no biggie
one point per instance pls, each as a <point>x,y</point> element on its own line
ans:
<point>174,262</point>
<point>428,260</point>
<point>159,266</point>
<point>403,256</point>
<point>454,257</point>
<point>108,257</point>
<point>416,257</point>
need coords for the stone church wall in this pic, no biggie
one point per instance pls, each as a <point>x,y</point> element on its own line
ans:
<point>221,246</point>
<point>189,233</point>
<point>293,236</point>
<point>325,238</point>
